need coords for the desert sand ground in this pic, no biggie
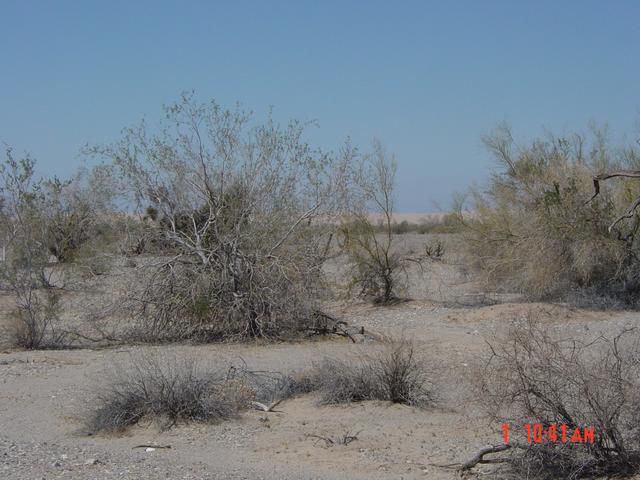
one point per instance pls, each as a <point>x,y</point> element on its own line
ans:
<point>45,394</point>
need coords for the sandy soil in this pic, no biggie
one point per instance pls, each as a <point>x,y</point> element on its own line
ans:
<point>43,396</point>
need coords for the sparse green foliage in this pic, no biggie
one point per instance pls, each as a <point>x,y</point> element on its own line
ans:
<point>24,271</point>
<point>375,266</point>
<point>533,231</point>
<point>375,269</point>
<point>445,224</point>
<point>232,205</point>
<point>69,222</point>
<point>40,218</point>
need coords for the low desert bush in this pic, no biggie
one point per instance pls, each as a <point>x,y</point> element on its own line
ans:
<point>37,319</point>
<point>393,374</point>
<point>171,389</point>
<point>534,231</point>
<point>163,390</point>
<point>202,303</point>
<point>532,376</point>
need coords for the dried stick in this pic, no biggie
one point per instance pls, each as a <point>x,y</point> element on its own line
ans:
<point>478,458</point>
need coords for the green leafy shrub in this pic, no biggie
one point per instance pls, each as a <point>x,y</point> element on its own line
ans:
<point>534,231</point>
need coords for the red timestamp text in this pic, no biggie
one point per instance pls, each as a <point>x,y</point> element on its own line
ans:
<point>554,433</point>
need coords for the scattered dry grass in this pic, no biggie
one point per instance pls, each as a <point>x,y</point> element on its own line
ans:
<point>167,390</point>
<point>393,374</point>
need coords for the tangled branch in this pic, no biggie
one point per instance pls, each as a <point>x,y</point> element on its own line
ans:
<point>620,173</point>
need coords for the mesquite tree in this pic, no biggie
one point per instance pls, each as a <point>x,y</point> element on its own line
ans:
<point>240,209</point>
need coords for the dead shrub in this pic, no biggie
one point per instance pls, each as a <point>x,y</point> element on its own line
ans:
<point>331,440</point>
<point>533,230</point>
<point>164,390</point>
<point>37,319</point>
<point>533,376</point>
<point>434,250</point>
<point>393,374</point>
<point>169,389</point>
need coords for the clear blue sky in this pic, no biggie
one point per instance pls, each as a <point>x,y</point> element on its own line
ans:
<point>427,78</point>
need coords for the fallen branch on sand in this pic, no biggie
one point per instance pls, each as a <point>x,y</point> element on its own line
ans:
<point>478,458</point>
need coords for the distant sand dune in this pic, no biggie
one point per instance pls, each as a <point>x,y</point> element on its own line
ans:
<point>411,217</point>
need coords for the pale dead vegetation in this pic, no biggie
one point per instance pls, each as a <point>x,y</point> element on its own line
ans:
<point>532,375</point>
<point>393,374</point>
<point>167,389</point>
